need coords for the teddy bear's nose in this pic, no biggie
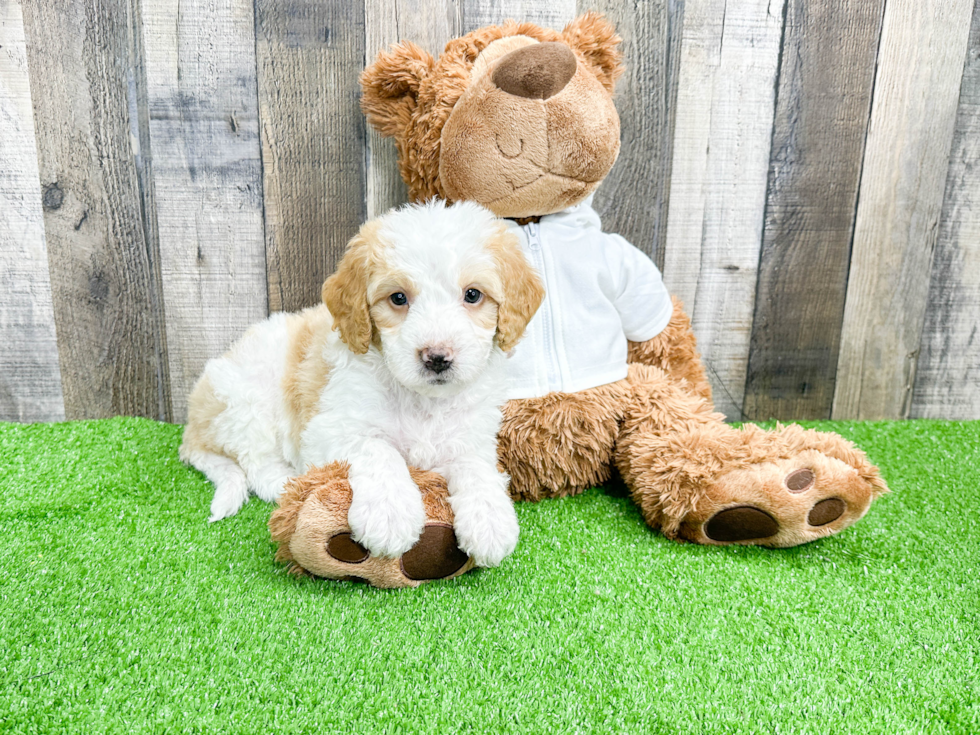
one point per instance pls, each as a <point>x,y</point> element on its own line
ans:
<point>539,71</point>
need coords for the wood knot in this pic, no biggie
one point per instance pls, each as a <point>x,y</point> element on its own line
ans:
<point>53,197</point>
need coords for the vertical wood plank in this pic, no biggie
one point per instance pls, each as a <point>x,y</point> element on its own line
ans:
<point>920,66</point>
<point>207,174</point>
<point>633,199</point>
<point>479,13</point>
<point>30,378</point>
<point>309,55</point>
<point>90,121</point>
<point>824,102</point>
<point>947,381</point>
<point>723,130</point>
<point>429,24</point>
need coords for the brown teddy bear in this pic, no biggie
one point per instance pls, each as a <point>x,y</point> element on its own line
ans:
<point>521,119</point>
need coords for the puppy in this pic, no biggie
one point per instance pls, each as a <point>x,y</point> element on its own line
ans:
<point>404,365</point>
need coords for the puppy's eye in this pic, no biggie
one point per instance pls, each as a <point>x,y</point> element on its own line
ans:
<point>472,296</point>
<point>398,298</point>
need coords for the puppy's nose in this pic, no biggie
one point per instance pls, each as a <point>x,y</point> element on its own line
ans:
<point>536,72</point>
<point>437,359</point>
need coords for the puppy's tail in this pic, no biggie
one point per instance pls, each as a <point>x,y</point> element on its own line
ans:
<point>230,483</point>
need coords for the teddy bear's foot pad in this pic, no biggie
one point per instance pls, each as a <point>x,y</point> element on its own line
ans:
<point>344,548</point>
<point>826,511</point>
<point>782,503</point>
<point>742,523</point>
<point>435,555</point>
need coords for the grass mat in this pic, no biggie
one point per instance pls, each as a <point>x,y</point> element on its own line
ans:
<point>122,610</point>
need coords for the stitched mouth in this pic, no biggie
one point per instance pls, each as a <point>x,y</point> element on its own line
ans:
<point>515,189</point>
<point>507,155</point>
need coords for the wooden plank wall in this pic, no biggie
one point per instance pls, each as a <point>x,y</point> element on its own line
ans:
<point>88,89</point>
<point>207,174</point>
<point>805,172</point>
<point>826,75</point>
<point>920,65</point>
<point>30,377</point>
<point>949,359</point>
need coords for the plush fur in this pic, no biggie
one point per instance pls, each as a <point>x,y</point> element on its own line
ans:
<point>500,121</point>
<point>404,365</point>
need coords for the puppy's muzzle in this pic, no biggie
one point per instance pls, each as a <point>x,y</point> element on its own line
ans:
<point>436,359</point>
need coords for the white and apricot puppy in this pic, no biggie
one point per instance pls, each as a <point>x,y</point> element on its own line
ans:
<point>404,365</point>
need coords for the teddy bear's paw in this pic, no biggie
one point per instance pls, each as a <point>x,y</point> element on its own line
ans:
<point>436,555</point>
<point>783,503</point>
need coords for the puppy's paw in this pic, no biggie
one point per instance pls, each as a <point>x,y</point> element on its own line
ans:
<point>486,527</point>
<point>227,502</point>
<point>389,522</point>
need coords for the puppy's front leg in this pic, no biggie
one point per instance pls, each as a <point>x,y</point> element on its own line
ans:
<point>486,524</point>
<point>386,513</point>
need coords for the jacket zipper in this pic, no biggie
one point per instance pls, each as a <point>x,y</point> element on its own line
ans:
<point>548,343</point>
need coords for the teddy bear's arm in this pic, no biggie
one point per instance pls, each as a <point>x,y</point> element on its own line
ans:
<point>637,289</point>
<point>675,351</point>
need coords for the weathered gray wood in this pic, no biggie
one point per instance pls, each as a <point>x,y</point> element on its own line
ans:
<point>633,199</point>
<point>824,102</point>
<point>429,24</point>
<point>90,121</point>
<point>723,130</point>
<point>30,379</point>
<point>920,65</point>
<point>947,381</point>
<point>207,172</point>
<point>309,55</point>
<point>479,13</point>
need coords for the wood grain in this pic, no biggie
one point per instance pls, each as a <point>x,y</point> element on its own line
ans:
<point>30,378</point>
<point>93,159</point>
<point>723,130</point>
<point>207,174</point>
<point>633,200</point>
<point>479,13</point>
<point>947,381</point>
<point>920,65</point>
<point>824,102</point>
<point>313,135</point>
<point>429,24</point>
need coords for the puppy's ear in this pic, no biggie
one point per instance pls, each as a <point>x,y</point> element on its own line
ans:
<point>390,87</point>
<point>521,291</point>
<point>345,292</point>
<point>595,38</point>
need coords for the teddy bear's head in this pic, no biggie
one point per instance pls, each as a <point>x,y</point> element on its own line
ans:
<point>516,117</point>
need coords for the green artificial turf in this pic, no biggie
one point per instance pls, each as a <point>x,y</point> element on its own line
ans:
<point>122,610</point>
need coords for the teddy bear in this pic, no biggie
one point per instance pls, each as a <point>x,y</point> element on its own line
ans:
<point>608,379</point>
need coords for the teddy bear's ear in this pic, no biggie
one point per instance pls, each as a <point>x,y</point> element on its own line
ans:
<point>391,85</point>
<point>595,38</point>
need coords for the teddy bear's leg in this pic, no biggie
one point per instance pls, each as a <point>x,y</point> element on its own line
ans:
<point>562,443</point>
<point>697,478</point>
<point>310,527</point>
<point>675,351</point>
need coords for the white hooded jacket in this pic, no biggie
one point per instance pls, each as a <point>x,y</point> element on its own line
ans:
<point>600,291</point>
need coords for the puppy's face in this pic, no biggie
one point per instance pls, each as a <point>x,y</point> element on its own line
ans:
<point>435,289</point>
